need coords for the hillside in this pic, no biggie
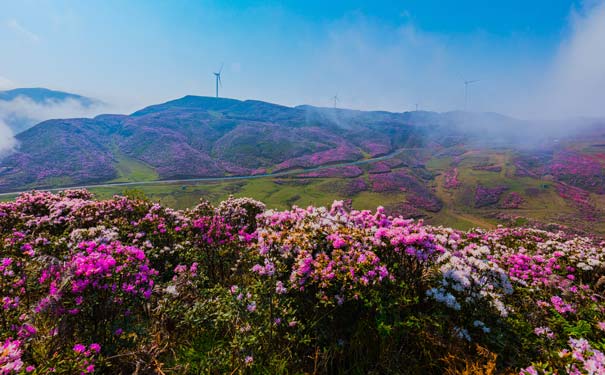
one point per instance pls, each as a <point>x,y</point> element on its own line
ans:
<point>196,137</point>
<point>459,169</point>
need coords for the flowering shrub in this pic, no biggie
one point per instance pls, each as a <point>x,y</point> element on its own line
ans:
<point>342,152</point>
<point>451,179</point>
<point>580,199</point>
<point>417,194</point>
<point>379,167</point>
<point>512,200</point>
<point>581,359</point>
<point>96,286</point>
<point>485,196</point>
<point>10,356</point>
<point>582,171</point>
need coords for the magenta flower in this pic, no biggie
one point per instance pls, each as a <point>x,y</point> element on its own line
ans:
<point>251,307</point>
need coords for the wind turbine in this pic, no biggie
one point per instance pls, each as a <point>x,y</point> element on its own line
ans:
<point>466,83</point>
<point>218,79</point>
<point>336,100</point>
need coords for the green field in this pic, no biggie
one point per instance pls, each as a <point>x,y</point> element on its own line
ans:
<point>133,170</point>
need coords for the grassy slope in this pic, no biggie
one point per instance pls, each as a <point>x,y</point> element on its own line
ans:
<point>132,170</point>
<point>459,210</point>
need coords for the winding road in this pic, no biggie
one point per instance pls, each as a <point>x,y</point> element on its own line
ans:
<point>225,178</point>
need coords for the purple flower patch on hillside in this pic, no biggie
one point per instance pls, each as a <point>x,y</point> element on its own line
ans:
<point>379,167</point>
<point>486,196</point>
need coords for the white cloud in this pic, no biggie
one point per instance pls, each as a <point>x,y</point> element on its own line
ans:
<point>35,112</point>
<point>22,31</point>
<point>21,113</point>
<point>575,83</point>
<point>7,139</point>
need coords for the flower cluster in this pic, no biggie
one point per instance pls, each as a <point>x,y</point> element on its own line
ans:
<point>89,285</point>
<point>512,200</point>
<point>485,196</point>
<point>10,357</point>
<point>451,179</point>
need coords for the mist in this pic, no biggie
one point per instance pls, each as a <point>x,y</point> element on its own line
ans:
<point>7,139</point>
<point>575,83</point>
<point>373,66</point>
<point>22,113</point>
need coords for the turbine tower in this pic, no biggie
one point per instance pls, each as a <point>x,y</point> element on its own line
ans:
<point>218,79</point>
<point>466,83</point>
<point>336,100</point>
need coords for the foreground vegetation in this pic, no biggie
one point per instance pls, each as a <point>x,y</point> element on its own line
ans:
<point>125,285</point>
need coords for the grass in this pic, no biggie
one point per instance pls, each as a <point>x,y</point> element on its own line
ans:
<point>132,170</point>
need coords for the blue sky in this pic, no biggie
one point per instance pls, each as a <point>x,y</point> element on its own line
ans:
<point>373,54</point>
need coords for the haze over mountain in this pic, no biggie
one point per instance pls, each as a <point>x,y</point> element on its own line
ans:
<point>22,108</point>
<point>41,95</point>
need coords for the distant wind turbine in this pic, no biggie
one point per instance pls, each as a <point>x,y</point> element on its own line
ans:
<point>466,83</point>
<point>218,79</point>
<point>336,100</point>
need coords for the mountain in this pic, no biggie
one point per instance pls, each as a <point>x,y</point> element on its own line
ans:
<point>458,167</point>
<point>196,137</point>
<point>22,108</point>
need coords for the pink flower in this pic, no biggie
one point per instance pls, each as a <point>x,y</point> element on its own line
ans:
<point>279,288</point>
<point>79,348</point>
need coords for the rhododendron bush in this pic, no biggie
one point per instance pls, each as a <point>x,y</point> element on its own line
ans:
<point>126,285</point>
